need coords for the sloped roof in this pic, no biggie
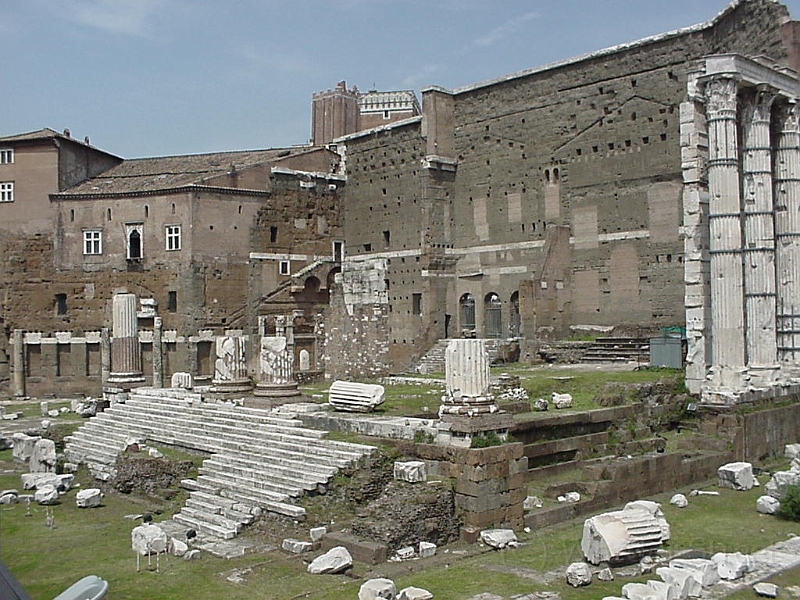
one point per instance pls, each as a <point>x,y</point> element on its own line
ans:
<point>41,134</point>
<point>147,175</point>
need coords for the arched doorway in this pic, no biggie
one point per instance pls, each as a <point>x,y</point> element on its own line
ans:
<point>467,312</point>
<point>514,320</point>
<point>493,316</point>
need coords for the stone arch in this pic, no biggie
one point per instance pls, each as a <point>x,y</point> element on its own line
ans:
<point>466,312</point>
<point>492,316</point>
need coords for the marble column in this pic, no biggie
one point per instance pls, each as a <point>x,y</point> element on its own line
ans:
<point>158,354</point>
<point>230,367</point>
<point>276,368</point>
<point>759,238</point>
<point>18,349</point>
<point>467,379</point>
<point>787,235</point>
<point>126,355</point>
<point>725,235</point>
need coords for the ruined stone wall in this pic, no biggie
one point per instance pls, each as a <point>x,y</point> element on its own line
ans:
<point>356,325</point>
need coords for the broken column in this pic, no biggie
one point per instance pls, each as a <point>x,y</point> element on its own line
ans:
<point>126,357</point>
<point>759,238</point>
<point>230,367</point>
<point>468,407</point>
<point>276,365</point>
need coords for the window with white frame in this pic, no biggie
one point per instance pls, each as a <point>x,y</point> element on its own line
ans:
<point>92,241</point>
<point>284,267</point>
<point>6,191</point>
<point>6,156</point>
<point>173,237</point>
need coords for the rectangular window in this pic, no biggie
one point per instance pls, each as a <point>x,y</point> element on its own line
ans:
<point>173,235</point>
<point>416,304</point>
<point>92,242</point>
<point>172,301</point>
<point>6,191</point>
<point>6,156</point>
<point>61,304</point>
<point>284,267</point>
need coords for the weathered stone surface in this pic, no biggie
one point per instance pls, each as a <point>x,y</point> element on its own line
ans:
<point>704,571</point>
<point>736,476</point>
<point>766,590</point>
<point>32,481</point>
<point>498,538</point>
<point>148,539</point>
<point>414,593</point>
<point>46,495</point>
<point>355,397</point>
<point>562,400</point>
<point>404,553</point>
<point>679,500</point>
<point>791,451</point>
<point>682,580</point>
<point>579,574</point>
<point>335,560</point>
<point>780,481</point>
<point>427,549</point>
<point>296,546</point>
<point>178,547</point>
<point>377,589</point>
<point>9,496</point>
<point>23,447</point>
<point>654,508</point>
<point>767,505</point>
<point>540,404</point>
<point>413,471</point>
<point>621,536</point>
<point>732,566</point>
<point>192,554</point>
<point>532,502</point>
<point>316,533</point>
<point>89,498</point>
<point>605,574</point>
<point>182,380</point>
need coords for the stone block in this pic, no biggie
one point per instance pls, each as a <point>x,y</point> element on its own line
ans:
<point>736,476</point>
<point>371,553</point>
<point>335,560</point>
<point>411,471</point>
<point>295,546</point>
<point>377,589</point>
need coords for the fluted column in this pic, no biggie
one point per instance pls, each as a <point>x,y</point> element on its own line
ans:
<point>787,235</point>
<point>725,235</point>
<point>18,349</point>
<point>467,379</point>
<point>230,367</point>
<point>126,357</point>
<point>759,238</point>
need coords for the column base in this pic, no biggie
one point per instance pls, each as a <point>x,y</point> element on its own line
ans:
<point>231,386</point>
<point>277,390</point>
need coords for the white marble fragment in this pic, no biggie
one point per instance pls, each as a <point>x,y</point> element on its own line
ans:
<point>732,565</point>
<point>46,495</point>
<point>412,471</point>
<point>296,546</point>
<point>427,549</point>
<point>736,476</point>
<point>767,505</point>
<point>579,574</point>
<point>89,498</point>
<point>679,500</point>
<point>148,539</point>
<point>498,538</point>
<point>335,560</point>
<point>377,589</point>
<point>414,593</point>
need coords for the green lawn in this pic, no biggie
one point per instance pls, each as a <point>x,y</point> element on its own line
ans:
<point>46,561</point>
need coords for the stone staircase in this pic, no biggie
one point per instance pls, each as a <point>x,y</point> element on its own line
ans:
<point>258,461</point>
<point>618,349</point>
<point>433,360</point>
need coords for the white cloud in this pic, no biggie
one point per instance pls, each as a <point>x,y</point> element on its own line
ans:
<point>506,29</point>
<point>131,17</point>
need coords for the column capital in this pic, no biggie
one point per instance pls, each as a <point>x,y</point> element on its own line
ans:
<point>721,93</point>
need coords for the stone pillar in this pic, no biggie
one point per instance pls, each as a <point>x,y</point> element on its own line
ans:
<point>126,356</point>
<point>158,354</point>
<point>694,146</point>
<point>105,356</point>
<point>230,367</point>
<point>787,235</point>
<point>759,238</point>
<point>18,343</point>
<point>725,239</point>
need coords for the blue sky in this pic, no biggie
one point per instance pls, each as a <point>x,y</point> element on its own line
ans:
<point>160,77</point>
